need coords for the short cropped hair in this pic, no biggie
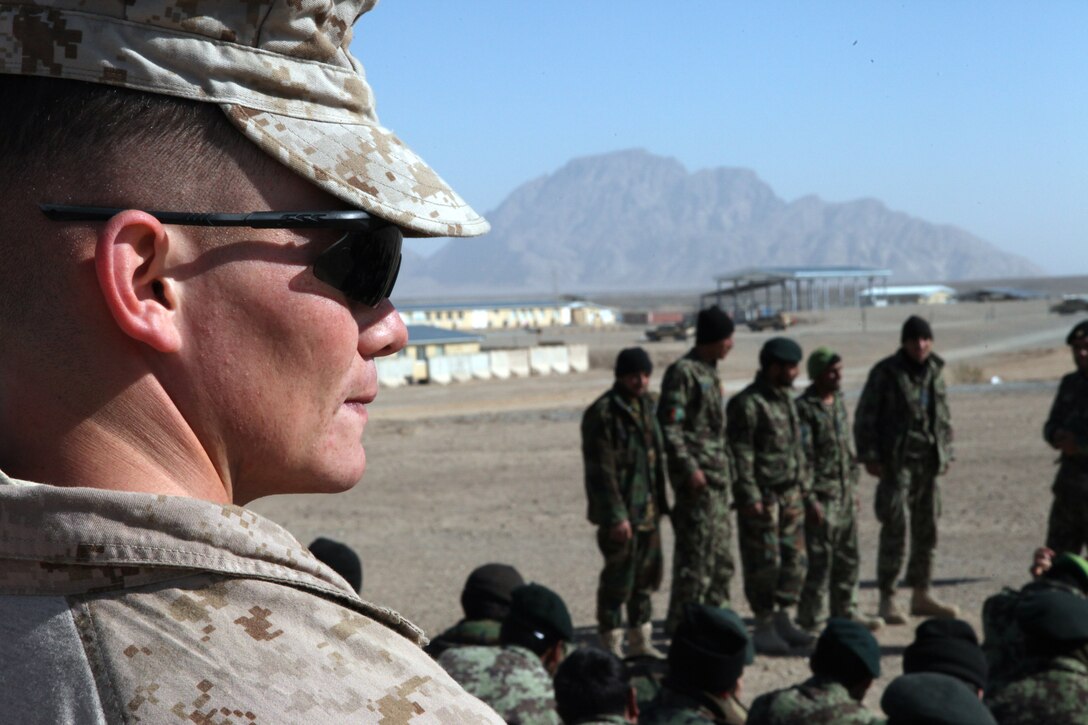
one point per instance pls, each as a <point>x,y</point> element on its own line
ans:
<point>591,682</point>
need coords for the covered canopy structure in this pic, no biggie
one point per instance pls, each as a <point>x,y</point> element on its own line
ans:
<point>793,288</point>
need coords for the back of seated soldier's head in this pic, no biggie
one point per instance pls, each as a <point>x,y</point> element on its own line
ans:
<point>709,650</point>
<point>931,698</point>
<point>948,646</point>
<point>341,558</point>
<point>487,591</point>
<point>591,683</point>
<point>145,353</point>
<point>538,620</point>
<point>1055,623</point>
<point>847,653</point>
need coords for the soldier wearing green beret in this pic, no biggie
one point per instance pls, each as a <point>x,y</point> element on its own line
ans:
<point>516,678</point>
<point>1053,684</point>
<point>624,457</point>
<point>692,416</point>
<point>1066,430</point>
<point>772,489</point>
<point>832,544</point>
<point>903,433</point>
<point>706,663</point>
<point>844,665</point>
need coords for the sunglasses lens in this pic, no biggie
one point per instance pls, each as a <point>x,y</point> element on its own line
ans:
<point>362,265</point>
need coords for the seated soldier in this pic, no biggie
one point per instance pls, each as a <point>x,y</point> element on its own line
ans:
<point>846,660</point>
<point>706,661</point>
<point>516,677</point>
<point>486,602</point>
<point>593,688</point>
<point>950,647</point>
<point>1053,685</point>
<point>930,698</point>
<point>341,558</point>
<point>1003,641</point>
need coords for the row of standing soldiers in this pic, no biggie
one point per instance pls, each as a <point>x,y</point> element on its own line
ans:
<point>789,467</point>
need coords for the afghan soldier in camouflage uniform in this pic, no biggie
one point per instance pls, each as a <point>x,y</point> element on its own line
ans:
<point>903,433</point>
<point>833,543</point>
<point>692,415</point>
<point>1066,430</point>
<point>844,665</point>
<point>1003,640</point>
<point>516,678</point>
<point>1053,687</point>
<point>932,698</point>
<point>625,484</point>
<point>773,490</point>
<point>485,600</point>
<point>706,663</point>
<point>186,371</point>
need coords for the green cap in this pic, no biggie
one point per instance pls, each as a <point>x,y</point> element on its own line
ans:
<point>820,360</point>
<point>540,608</point>
<point>846,650</point>
<point>933,699</point>
<point>780,349</point>
<point>1070,567</point>
<point>1079,332</point>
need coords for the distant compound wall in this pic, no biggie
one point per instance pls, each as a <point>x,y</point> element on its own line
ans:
<point>500,364</point>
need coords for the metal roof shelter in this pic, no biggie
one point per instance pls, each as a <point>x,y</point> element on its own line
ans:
<point>793,288</point>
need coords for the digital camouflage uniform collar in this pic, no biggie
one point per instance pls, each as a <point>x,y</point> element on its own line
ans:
<point>76,540</point>
<point>281,71</point>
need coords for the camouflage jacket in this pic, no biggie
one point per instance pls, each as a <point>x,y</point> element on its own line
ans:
<point>1002,638</point>
<point>692,415</point>
<point>141,607</point>
<point>829,449</point>
<point>672,707</point>
<point>510,679</point>
<point>624,458</point>
<point>1070,412</point>
<point>1055,692</point>
<point>903,415</point>
<point>764,433</point>
<point>815,701</point>
<point>466,632</point>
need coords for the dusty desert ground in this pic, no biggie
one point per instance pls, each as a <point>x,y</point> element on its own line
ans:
<point>491,471</point>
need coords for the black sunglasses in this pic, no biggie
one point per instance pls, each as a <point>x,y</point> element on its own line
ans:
<point>363,264</point>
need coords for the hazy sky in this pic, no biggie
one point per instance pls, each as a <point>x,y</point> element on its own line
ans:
<point>966,113</point>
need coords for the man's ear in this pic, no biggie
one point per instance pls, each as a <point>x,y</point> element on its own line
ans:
<point>130,262</point>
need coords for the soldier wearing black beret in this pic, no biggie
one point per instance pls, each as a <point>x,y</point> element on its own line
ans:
<point>772,489</point>
<point>930,698</point>
<point>1066,430</point>
<point>485,600</point>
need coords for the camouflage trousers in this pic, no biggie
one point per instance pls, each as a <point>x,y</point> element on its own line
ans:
<point>832,563</point>
<point>913,487</point>
<point>702,563</point>
<point>632,572</point>
<point>772,551</point>
<point>1067,527</point>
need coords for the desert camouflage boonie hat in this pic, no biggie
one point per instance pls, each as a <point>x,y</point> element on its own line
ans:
<point>281,71</point>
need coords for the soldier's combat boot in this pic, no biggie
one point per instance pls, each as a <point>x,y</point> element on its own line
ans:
<point>612,640</point>
<point>640,642</point>
<point>870,623</point>
<point>789,632</point>
<point>766,640</point>
<point>889,611</point>
<point>923,604</point>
